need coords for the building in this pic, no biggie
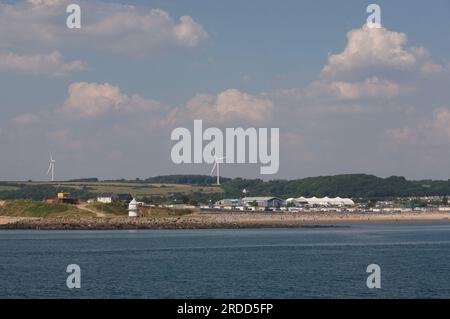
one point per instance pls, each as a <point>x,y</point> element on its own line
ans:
<point>133,208</point>
<point>321,201</point>
<point>229,202</point>
<point>125,198</point>
<point>267,202</point>
<point>108,198</point>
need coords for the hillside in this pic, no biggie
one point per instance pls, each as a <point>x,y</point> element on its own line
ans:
<point>350,185</point>
<point>87,190</point>
<point>27,208</point>
<point>346,185</point>
<point>201,188</point>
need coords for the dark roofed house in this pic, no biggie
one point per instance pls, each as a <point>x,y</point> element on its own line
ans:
<point>263,201</point>
<point>125,198</point>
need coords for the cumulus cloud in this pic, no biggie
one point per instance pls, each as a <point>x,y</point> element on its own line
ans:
<point>90,100</point>
<point>51,64</point>
<point>99,100</point>
<point>108,27</point>
<point>375,71</point>
<point>228,106</point>
<point>371,50</point>
<point>189,33</point>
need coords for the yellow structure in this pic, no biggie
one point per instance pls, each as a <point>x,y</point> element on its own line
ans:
<point>63,195</point>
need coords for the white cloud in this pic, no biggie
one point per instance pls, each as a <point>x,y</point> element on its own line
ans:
<point>25,119</point>
<point>375,71</point>
<point>90,100</point>
<point>370,49</point>
<point>51,64</point>
<point>228,106</point>
<point>323,97</point>
<point>108,27</point>
<point>189,33</point>
<point>38,3</point>
<point>342,90</point>
<point>424,132</point>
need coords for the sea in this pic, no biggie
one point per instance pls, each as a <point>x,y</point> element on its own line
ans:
<point>311,262</point>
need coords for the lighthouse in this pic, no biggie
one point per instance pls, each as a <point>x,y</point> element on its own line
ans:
<point>133,209</point>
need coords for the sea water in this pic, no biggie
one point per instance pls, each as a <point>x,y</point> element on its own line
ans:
<point>414,258</point>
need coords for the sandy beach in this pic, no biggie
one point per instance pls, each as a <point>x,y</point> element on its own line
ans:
<point>325,217</point>
<point>211,220</point>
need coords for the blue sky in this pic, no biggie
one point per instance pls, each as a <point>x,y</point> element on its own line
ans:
<point>382,115</point>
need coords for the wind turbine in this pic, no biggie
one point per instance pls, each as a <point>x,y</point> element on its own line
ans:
<point>51,167</point>
<point>216,166</point>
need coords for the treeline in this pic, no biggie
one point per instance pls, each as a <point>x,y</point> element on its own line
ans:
<point>185,179</point>
<point>346,185</point>
<point>84,180</point>
<point>349,185</point>
<point>163,179</point>
<point>193,198</point>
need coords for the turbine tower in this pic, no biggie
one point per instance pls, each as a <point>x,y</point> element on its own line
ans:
<point>216,166</point>
<point>51,167</point>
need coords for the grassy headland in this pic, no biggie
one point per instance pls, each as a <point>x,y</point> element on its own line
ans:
<point>28,208</point>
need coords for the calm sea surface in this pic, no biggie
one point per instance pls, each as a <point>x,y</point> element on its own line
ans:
<point>264,263</point>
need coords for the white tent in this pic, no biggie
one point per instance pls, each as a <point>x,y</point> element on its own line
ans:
<point>324,201</point>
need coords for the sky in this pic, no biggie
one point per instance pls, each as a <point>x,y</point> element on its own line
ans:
<point>104,99</point>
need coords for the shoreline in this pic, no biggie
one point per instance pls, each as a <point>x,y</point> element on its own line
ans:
<point>214,220</point>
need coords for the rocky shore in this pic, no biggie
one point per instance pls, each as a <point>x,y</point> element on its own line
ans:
<point>137,223</point>
<point>215,220</point>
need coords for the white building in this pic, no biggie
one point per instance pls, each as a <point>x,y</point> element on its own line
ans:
<point>107,198</point>
<point>322,201</point>
<point>133,208</point>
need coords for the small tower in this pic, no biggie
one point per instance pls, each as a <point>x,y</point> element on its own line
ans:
<point>133,208</point>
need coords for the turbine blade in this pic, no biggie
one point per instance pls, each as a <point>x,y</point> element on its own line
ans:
<point>49,168</point>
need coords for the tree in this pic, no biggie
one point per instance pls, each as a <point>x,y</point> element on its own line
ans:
<point>253,204</point>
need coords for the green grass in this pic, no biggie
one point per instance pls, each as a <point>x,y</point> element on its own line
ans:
<point>137,190</point>
<point>113,209</point>
<point>162,212</point>
<point>27,208</point>
<point>8,188</point>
